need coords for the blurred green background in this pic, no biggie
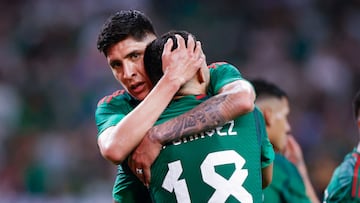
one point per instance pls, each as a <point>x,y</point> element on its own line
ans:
<point>52,76</point>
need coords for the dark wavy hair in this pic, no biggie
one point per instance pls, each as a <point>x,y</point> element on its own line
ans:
<point>122,25</point>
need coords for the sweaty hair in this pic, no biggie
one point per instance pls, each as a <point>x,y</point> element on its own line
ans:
<point>265,89</point>
<point>356,104</point>
<point>154,50</point>
<point>121,25</point>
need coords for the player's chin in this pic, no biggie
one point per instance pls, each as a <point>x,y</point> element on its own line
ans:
<point>139,96</point>
<point>283,144</point>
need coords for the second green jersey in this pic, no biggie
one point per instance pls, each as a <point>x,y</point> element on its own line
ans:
<point>219,165</point>
<point>344,185</point>
<point>287,186</point>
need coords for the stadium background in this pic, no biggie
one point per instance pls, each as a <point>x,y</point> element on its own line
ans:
<point>51,77</point>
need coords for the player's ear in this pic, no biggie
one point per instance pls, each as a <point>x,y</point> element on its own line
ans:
<point>267,112</point>
<point>200,76</point>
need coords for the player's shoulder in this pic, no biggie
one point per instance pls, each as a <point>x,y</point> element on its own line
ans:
<point>283,163</point>
<point>215,65</point>
<point>115,97</point>
<point>350,164</point>
<point>223,68</point>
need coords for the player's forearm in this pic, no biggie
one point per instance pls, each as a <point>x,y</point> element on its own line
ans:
<point>241,98</point>
<point>233,100</point>
<point>118,143</point>
<point>310,191</point>
<point>205,116</point>
<point>266,175</point>
<point>212,113</point>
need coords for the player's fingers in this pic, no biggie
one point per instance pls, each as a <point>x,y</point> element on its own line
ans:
<point>131,164</point>
<point>139,173</point>
<point>142,177</point>
<point>147,177</point>
<point>291,142</point>
<point>167,47</point>
<point>198,51</point>
<point>199,57</point>
<point>191,43</point>
<point>180,42</point>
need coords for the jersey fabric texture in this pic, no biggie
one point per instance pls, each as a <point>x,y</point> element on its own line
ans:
<point>111,109</point>
<point>287,184</point>
<point>219,165</point>
<point>344,185</point>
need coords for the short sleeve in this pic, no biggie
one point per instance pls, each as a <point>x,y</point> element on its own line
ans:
<point>267,150</point>
<point>339,188</point>
<point>220,75</point>
<point>111,109</point>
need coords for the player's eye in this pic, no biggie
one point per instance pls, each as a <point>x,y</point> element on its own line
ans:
<point>115,64</point>
<point>135,56</point>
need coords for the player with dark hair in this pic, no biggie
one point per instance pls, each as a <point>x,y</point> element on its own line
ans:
<point>223,164</point>
<point>124,117</point>
<point>290,181</point>
<point>345,182</point>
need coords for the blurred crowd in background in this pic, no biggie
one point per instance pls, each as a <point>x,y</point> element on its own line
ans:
<point>52,76</point>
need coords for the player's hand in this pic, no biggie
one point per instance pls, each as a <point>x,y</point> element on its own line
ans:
<point>181,64</point>
<point>143,157</point>
<point>293,151</point>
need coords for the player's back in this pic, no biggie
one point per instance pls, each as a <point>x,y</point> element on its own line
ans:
<point>219,165</point>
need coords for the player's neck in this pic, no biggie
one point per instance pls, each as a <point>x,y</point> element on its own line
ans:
<point>191,89</point>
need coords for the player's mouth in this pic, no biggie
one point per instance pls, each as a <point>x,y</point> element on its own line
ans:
<point>137,88</point>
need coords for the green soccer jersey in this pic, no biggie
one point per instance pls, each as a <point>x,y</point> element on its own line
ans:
<point>287,185</point>
<point>344,185</point>
<point>111,109</point>
<point>219,165</point>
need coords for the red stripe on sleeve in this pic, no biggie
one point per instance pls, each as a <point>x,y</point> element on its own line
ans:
<point>215,64</point>
<point>355,176</point>
<point>200,96</point>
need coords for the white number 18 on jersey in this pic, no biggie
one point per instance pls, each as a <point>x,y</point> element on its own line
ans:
<point>223,187</point>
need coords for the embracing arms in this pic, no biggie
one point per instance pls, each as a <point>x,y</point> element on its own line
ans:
<point>233,99</point>
<point>116,142</point>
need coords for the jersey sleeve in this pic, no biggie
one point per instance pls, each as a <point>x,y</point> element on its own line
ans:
<point>221,74</point>
<point>267,150</point>
<point>110,110</point>
<point>339,188</point>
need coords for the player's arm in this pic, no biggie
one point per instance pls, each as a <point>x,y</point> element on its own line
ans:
<point>232,100</point>
<point>118,141</point>
<point>339,188</point>
<point>267,150</point>
<point>294,153</point>
<point>266,175</point>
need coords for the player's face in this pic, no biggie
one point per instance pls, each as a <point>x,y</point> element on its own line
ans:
<point>280,127</point>
<point>126,61</point>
